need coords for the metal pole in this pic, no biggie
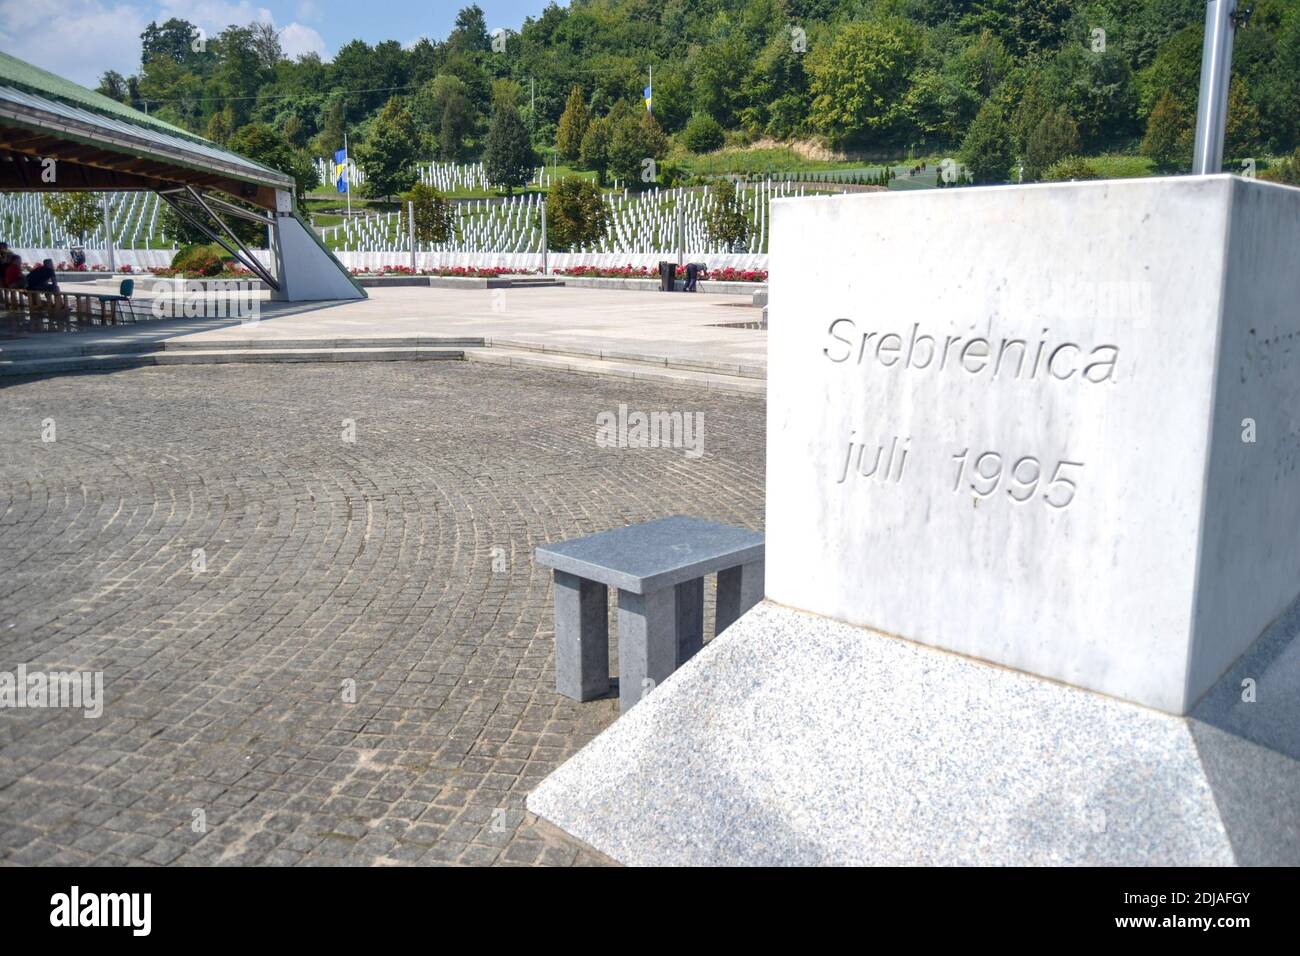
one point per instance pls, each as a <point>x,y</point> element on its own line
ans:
<point>347,171</point>
<point>546,266</point>
<point>681,228</point>
<point>1216,73</point>
<point>410,212</point>
<point>108,236</point>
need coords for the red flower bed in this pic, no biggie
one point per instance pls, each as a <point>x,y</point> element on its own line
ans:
<point>736,275</point>
<point>609,272</point>
<point>645,272</point>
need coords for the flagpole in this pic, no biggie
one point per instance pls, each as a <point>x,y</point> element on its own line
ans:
<point>347,171</point>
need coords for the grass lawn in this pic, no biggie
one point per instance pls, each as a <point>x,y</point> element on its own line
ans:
<point>1117,166</point>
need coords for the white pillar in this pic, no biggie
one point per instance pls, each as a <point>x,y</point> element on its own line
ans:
<point>410,212</point>
<point>108,236</point>
<point>546,268</point>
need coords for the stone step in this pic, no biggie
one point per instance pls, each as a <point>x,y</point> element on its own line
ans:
<point>136,347</point>
<point>730,369</point>
<point>106,361</point>
<point>637,371</point>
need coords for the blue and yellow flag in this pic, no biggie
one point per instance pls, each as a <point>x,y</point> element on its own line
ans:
<point>341,170</point>
<point>648,94</point>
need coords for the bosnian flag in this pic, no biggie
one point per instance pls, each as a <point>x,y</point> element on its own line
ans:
<point>648,97</point>
<point>341,170</point>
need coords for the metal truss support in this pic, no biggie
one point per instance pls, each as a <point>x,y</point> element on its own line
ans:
<point>189,202</point>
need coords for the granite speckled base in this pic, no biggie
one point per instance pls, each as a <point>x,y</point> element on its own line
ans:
<point>795,739</point>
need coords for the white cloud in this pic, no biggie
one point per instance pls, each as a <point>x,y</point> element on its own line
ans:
<point>80,40</point>
<point>296,39</point>
<point>88,37</point>
<point>308,10</point>
<point>214,15</point>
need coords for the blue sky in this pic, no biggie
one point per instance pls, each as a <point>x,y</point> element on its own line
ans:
<point>80,39</point>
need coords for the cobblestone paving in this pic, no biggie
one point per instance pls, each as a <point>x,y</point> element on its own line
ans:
<point>400,561</point>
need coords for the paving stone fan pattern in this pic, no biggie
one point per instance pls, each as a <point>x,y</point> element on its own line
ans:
<point>401,561</point>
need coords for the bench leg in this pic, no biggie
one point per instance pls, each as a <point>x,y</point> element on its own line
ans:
<point>581,637</point>
<point>647,643</point>
<point>739,589</point>
<point>690,619</point>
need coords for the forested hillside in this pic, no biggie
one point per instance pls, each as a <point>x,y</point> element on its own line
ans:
<point>1038,79</point>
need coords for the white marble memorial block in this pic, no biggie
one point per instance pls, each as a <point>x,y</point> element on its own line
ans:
<point>1056,427</point>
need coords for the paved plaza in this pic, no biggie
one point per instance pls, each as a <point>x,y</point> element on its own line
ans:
<point>242,550</point>
<point>673,326</point>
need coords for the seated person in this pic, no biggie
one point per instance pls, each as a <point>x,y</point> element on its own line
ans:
<point>13,274</point>
<point>42,277</point>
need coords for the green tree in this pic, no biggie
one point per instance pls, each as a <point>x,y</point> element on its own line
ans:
<point>717,75</point>
<point>265,40</point>
<point>986,150</point>
<point>636,146</point>
<point>702,134</point>
<point>238,72</point>
<point>575,214</point>
<point>1278,88</point>
<point>1055,137</point>
<point>434,219</point>
<point>594,153</point>
<point>220,125</point>
<point>859,79</point>
<point>1031,106</point>
<point>1241,136</point>
<point>1167,142</point>
<point>573,126</point>
<point>333,123</point>
<point>938,107</point>
<point>388,155</point>
<point>470,34</point>
<point>1097,89</point>
<point>77,213</point>
<point>176,40</point>
<point>725,222</point>
<point>1176,71</point>
<point>672,99</point>
<point>262,144</point>
<point>1025,26</point>
<point>508,157</point>
<point>113,85</point>
<point>442,110</point>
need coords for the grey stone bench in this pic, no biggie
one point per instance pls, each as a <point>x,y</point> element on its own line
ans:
<point>658,568</point>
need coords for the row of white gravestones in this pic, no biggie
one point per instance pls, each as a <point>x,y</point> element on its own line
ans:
<point>1053,427</point>
<point>27,223</point>
<point>636,223</point>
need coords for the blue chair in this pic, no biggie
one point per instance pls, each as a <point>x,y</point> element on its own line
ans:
<point>124,293</point>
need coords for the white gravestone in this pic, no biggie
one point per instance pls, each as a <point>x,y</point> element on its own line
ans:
<point>1054,427</point>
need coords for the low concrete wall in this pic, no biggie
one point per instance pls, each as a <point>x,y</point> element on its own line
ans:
<point>652,285</point>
